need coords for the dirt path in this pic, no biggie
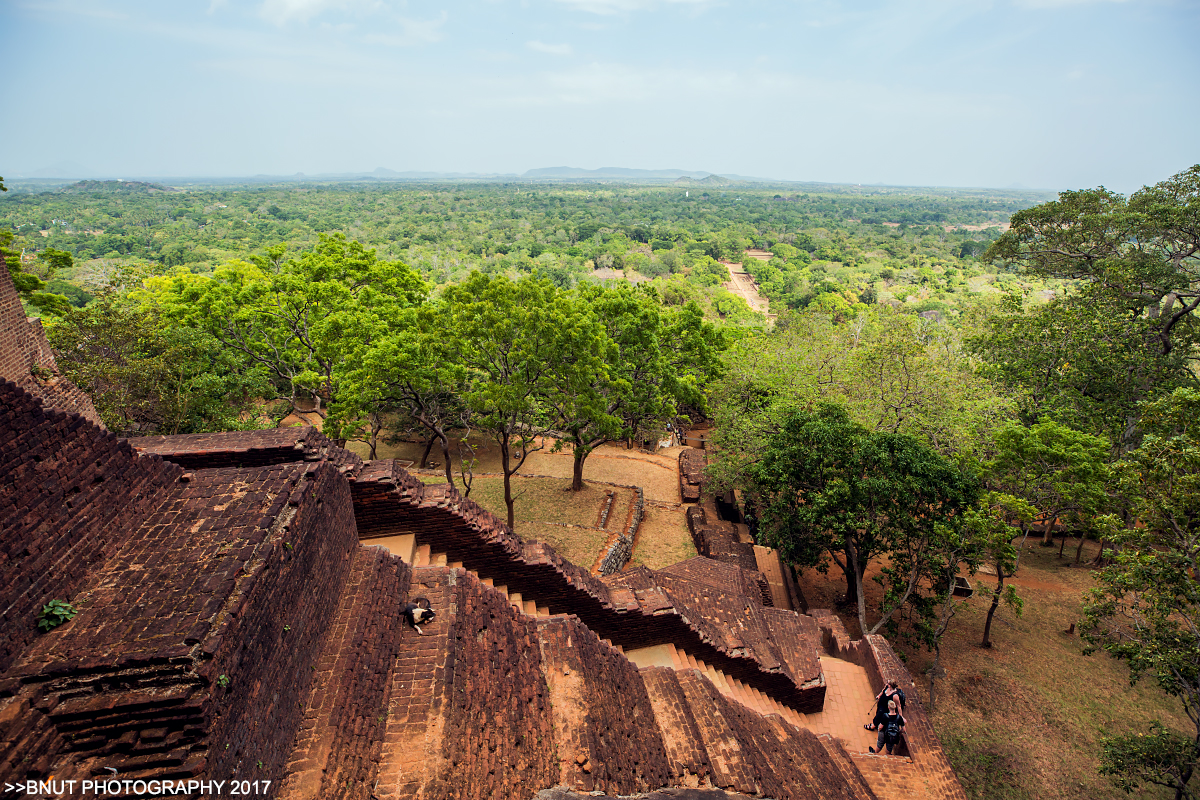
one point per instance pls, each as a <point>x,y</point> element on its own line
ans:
<point>743,285</point>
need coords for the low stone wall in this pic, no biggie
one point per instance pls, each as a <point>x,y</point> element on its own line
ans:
<point>621,550</point>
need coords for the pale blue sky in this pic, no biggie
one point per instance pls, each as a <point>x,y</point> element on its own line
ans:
<point>1049,94</point>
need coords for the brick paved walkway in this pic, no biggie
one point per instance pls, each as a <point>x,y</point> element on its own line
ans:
<point>848,703</point>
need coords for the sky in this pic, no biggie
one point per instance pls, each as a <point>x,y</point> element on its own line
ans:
<point>1046,94</point>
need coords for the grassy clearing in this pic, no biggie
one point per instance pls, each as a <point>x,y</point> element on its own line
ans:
<point>1023,720</point>
<point>540,501</point>
<point>662,539</point>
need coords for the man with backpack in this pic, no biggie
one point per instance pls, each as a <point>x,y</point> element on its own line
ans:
<point>890,730</point>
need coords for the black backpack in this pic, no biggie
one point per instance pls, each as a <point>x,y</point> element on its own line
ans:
<point>891,729</point>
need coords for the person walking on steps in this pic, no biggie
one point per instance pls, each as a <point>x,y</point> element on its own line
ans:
<point>890,730</point>
<point>891,691</point>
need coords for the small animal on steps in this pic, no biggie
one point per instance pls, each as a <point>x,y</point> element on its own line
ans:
<point>418,612</point>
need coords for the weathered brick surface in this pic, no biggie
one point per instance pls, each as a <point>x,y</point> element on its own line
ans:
<point>389,502</point>
<point>469,713</point>
<point>247,448</point>
<point>717,539</point>
<point>341,737</point>
<point>681,735</point>
<point>719,603</point>
<point>70,495</point>
<point>23,349</point>
<point>744,583</point>
<point>607,736</point>
<point>753,754</point>
<point>235,573</point>
<point>691,474</point>
<point>674,793</point>
<point>845,764</point>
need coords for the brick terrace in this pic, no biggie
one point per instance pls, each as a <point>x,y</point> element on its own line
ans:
<point>232,625</point>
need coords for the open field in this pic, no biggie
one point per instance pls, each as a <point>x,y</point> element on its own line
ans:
<point>1023,720</point>
<point>546,511</point>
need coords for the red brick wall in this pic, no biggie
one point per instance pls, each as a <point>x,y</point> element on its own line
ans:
<point>499,738</point>
<point>339,743</point>
<point>608,739</point>
<point>23,346</point>
<point>69,496</point>
<point>276,628</point>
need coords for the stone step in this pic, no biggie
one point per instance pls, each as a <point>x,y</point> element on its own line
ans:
<point>421,556</point>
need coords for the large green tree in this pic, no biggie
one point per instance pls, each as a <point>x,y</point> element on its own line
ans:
<point>655,360</point>
<point>412,370</point>
<point>1129,333</point>
<point>297,319</point>
<point>523,344</point>
<point>148,375</point>
<point>1146,611</point>
<point>828,487</point>
<point>1061,473</point>
<point>891,372</point>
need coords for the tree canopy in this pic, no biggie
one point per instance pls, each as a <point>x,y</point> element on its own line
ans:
<point>827,487</point>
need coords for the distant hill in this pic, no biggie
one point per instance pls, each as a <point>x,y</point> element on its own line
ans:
<point>575,173</point>
<point>139,187</point>
<point>711,180</point>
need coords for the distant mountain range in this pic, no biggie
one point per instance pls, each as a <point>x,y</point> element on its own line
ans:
<point>69,171</point>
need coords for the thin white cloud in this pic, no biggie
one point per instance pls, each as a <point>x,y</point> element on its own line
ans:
<point>413,32</point>
<point>281,12</point>
<point>1061,3</point>
<point>551,49</point>
<point>608,7</point>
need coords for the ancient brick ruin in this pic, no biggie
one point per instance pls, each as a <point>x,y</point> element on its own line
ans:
<point>239,603</point>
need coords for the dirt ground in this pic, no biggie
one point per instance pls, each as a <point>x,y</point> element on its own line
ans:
<point>1023,720</point>
<point>546,511</point>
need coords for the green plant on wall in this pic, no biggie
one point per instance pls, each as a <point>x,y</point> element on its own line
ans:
<point>55,613</point>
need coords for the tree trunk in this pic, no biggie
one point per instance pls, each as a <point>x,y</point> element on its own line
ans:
<point>1048,535</point>
<point>1079,550</point>
<point>428,449</point>
<point>577,470</point>
<point>446,457</point>
<point>987,626</point>
<point>1063,546</point>
<point>851,580</point>
<point>937,658</point>
<point>508,498</point>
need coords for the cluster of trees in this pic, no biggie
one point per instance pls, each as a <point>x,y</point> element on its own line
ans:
<point>360,341</point>
<point>929,449</point>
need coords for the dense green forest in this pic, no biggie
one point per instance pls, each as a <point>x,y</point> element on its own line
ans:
<point>942,374</point>
<point>840,248</point>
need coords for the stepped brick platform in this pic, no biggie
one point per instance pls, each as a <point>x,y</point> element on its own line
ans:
<point>691,474</point>
<point>26,359</point>
<point>634,608</point>
<point>717,539</point>
<point>236,621</point>
<point>247,448</point>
